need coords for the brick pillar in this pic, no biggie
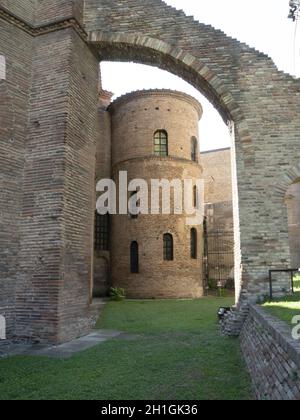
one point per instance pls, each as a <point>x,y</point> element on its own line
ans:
<point>54,282</point>
<point>15,47</point>
<point>54,10</point>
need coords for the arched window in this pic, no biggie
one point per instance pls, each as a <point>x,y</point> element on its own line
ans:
<point>161,143</point>
<point>134,257</point>
<point>194,149</point>
<point>195,196</point>
<point>194,243</point>
<point>168,247</point>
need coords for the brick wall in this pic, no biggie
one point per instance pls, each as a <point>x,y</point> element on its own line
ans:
<point>217,175</point>
<point>23,9</point>
<point>46,11</point>
<point>135,119</point>
<point>15,47</point>
<point>272,356</point>
<point>246,87</point>
<point>243,84</point>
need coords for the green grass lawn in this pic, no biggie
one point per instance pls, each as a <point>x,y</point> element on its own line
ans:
<point>178,354</point>
<point>288,307</point>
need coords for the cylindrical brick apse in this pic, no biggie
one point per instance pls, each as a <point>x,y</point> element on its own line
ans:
<point>155,136</point>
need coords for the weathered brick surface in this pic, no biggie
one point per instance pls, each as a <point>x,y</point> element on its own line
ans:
<point>272,356</point>
<point>135,119</point>
<point>55,240</point>
<point>16,47</point>
<point>22,9</point>
<point>243,84</point>
<point>217,175</point>
<point>247,88</point>
<point>49,11</point>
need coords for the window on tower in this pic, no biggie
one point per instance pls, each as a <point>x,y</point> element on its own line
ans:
<point>194,149</point>
<point>134,257</point>
<point>194,244</point>
<point>195,196</point>
<point>161,143</point>
<point>168,247</point>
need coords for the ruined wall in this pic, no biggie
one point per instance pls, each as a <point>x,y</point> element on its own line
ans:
<point>48,185</point>
<point>15,46</point>
<point>243,84</point>
<point>272,356</point>
<point>247,89</point>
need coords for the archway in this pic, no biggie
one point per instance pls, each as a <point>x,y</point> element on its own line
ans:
<point>55,153</point>
<point>167,61</point>
<point>225,71</point>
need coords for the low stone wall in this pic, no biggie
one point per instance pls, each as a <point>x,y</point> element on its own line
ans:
<point>272,356</point>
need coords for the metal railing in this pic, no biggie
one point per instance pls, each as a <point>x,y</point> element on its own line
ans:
<point>292,271</point>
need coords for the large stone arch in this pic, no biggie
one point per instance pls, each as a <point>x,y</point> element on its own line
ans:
<point>146,50</point>
<point>246,88</point>
<point>61,48</point>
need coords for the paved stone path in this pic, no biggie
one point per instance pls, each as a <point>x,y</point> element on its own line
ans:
<point>64,350</point>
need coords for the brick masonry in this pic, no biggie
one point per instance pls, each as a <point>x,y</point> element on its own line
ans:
<point>48,111</point>
<point>272,356</point>
<point>247,88</point>
<point>135,118</point>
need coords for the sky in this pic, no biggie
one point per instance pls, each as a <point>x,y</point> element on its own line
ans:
<point>262,24</point>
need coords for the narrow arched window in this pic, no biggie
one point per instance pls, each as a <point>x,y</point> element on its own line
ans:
<point>194,243</point>
<point>195,196</point>
<point>194,149</point>
<point>134,257</point>
<point>168,247</point>
<point>161,143</point>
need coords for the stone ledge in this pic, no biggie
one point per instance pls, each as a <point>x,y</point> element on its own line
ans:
<point>155,158</point>
<point>279,330</point>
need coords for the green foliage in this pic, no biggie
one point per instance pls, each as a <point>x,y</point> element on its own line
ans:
<point>212,284</point>
<point>117,294</point>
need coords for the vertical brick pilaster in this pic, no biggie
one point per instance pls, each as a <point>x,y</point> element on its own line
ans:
<point>56,250</point>
<point>15,47</point>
